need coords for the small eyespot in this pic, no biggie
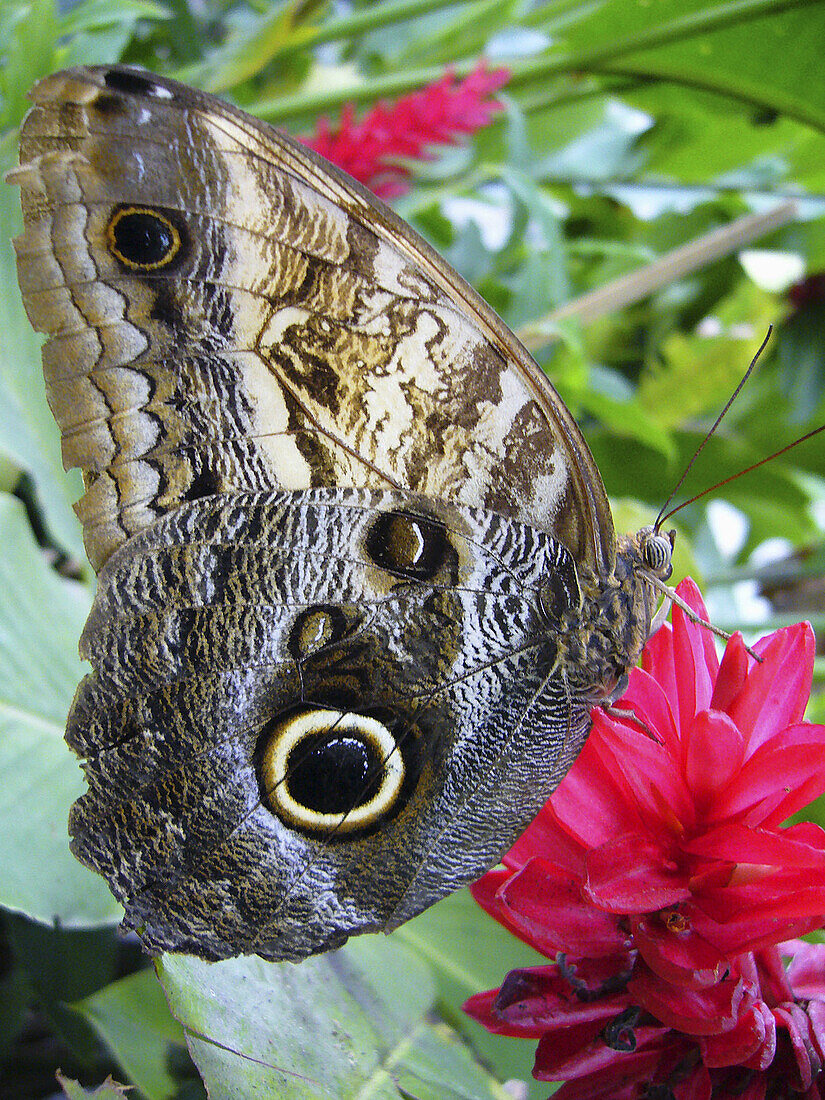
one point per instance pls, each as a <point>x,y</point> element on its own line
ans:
<point>136,83</point>
<point>316,628</point>
<point>559,591</point>
<point>142,238</point>
<point>331,772</point>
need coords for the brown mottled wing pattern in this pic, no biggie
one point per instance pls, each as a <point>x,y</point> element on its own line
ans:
<point>218,627</point>
<point>302,335</point>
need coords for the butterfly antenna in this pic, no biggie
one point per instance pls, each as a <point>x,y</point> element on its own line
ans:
<point>747,470</point>
<point>663,513</point>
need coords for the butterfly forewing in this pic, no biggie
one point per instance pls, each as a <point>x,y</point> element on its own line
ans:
<point>228,312</point>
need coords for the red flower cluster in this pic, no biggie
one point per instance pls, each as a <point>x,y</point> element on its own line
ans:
<point>660,878</point>
<point>371,150</point>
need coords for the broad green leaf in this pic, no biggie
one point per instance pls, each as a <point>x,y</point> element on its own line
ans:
<point>352,1024</point>
<point>761,52</point>
<point>132,1018</point>
<point>469,952</point>
<point>14,1003</point>
<point>96,31</point>
<point>63,965</point>
<point>26,53</point>
<point>693,375</point>
<point>41,617</point>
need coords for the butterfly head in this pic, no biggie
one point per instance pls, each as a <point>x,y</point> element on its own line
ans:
<point>643,569</point>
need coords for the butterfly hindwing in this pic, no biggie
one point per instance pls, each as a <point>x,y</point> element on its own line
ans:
<point>311,736</point>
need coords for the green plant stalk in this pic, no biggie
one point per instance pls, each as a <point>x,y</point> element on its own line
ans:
<point>538,69</point>
<point>273,41</point>
<point>749,95</point>
<point>673,265</point>
<point>689,26</point>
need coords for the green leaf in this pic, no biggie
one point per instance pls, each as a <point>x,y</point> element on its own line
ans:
<point>29,36</point>
<point>133,1019</point>
<point>14,1005</point>
<point>350,1024</point>
<point>63,965</point>
<point>96,31</point>
<point>41,617</point>
<point>469,952</point>
<point>763,52</point>
<point>109,1090</point>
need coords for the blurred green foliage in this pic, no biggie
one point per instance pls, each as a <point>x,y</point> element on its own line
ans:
<point>630,127</point>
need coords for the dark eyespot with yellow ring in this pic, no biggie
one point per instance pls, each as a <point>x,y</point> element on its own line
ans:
<point>144,238</point>
<point>331,773</point>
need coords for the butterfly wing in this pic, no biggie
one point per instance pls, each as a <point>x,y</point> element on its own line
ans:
<point>228,312</point>
<point>316,713</point>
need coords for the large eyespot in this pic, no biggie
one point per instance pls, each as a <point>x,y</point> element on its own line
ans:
<point>406,544</point>
<point>331,772</point>
<point>143,238</point>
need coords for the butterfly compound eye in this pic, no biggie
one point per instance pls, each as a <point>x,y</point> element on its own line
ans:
<point>658,551</point>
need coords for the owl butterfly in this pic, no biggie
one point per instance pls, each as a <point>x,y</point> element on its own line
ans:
<point>358,579</point>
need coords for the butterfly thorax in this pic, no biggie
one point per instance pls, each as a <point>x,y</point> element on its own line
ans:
<point>615,617</point>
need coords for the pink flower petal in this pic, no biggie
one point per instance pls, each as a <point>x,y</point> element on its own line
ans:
<point>806,971</point>
<point>694,656</point>
<point>632,875</point>
<point>794,1020</point>
<point>373,149</point>
<point>647,699</point>
<point>654,792</point>
<point>480,1007</point>
<point>713,753</point>
<point>580,1051</point>
<point>709,1011</point>
<point>748,931</point>
<point>675,952</point>
<point>594,801</point>
<point>546,905</point>
<point>545,998</point>
<point>752,1038</point>
<point>736,843</point>
<point>816,1014</point>
<point>777,689</point>
<point>780,777</point>
<point>783,895</point>
<point>658,662</point>
<point>547,834</point>
<point>733,672</point>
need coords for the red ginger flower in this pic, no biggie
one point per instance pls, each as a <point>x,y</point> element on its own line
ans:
<point>370,149</point>
<point>660,870</point>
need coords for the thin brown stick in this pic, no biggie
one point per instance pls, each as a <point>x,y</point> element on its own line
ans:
<point>674,265</point>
